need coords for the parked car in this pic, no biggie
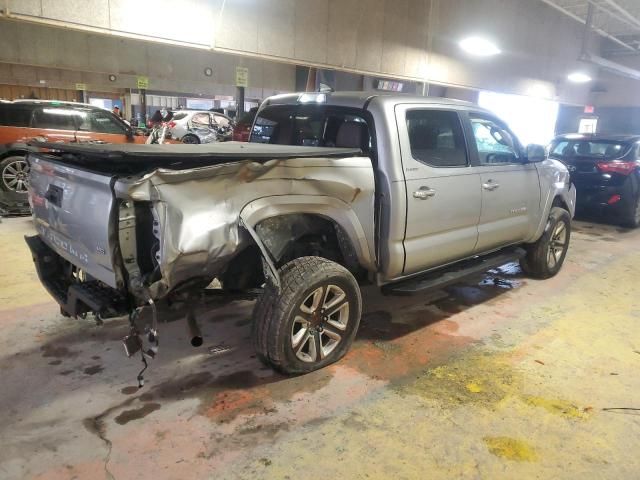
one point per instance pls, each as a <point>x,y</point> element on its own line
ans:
<point>408,193</point>
<point>194,126</point>
<point>52,121</point>
<point>606,172</point>
<point>242,129</point>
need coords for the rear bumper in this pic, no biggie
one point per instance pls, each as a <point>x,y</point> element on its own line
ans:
<point>75,298</point>
<point>595,199</point>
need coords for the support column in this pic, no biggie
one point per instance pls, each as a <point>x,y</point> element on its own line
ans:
<point>239,102</point>
<point>143,106</point>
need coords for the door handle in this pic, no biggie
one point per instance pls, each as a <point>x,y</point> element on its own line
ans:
<point>424,193</point>
<point>490,185</point>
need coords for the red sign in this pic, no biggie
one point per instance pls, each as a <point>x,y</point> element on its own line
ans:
<point>589,109</point>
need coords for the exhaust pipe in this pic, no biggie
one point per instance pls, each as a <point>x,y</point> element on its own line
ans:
<point>194,330</point>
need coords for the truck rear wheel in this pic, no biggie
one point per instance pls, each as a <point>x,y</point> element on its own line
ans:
<point>545,257</point>
<point>312,321</point>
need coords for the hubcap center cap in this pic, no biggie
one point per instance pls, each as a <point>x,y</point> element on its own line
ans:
<point>316,320</point>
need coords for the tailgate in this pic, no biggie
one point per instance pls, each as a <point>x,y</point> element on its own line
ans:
<point>74,214</point>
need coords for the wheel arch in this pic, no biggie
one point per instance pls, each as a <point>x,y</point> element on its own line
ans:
<point>280,220</point>
<point>558,201</point>
<point>13,149</point>
<point>559,194</point>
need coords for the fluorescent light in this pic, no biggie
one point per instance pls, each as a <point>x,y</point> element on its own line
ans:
<point>480,47</point>
<point>312,98</point>
<point>579,77</point>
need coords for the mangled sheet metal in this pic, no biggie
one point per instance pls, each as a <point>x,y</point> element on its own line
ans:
<point>199,210</point>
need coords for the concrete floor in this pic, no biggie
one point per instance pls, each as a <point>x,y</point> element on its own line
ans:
<point>508,378</point>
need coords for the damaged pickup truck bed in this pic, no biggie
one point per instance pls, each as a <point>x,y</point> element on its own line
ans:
<point>121,227</point>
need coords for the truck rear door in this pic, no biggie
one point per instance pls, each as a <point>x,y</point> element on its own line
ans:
<point>74,214</point>
<point>443,191</point>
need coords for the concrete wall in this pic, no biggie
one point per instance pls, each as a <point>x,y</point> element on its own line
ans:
<point>373,37</point>
<point>619,91</point>
<point>610,119</point>
<point>31,52</point>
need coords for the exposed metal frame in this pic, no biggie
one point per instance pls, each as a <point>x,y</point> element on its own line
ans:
<point>630,19</point>
<point>599,31</point>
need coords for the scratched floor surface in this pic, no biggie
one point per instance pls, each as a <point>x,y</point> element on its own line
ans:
<point>503,377</point>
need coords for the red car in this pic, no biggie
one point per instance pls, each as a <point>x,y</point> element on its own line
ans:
<point>242,130</point>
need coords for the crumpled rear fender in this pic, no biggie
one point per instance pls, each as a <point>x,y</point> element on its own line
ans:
<point>199,210</point>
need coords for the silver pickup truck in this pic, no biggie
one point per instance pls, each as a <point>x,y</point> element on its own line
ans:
<point>334,191</point>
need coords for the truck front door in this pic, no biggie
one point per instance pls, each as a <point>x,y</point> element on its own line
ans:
<point>510,186</point>
<point>443,190</point>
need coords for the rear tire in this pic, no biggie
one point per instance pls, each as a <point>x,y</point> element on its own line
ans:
<point>545,257</point>
<point>632,216</point>
<point>312,321</point>
<point>190,139</point>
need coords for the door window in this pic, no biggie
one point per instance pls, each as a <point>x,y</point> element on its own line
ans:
<point>201,120</point>
<point>436,138</point>
<point>15,115</point>
<point>496,145</point>
<point>100,122</point>
<point>220,120</point>
<point>55,118</point>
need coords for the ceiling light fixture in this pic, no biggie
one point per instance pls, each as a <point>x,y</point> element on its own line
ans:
<point>479,47</point>
<point>579,77</point>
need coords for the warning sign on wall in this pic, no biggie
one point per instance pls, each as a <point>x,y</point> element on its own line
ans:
<point>242,77</point>
<point>143,82</point>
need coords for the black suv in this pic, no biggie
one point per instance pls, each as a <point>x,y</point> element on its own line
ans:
<point>606,172</point>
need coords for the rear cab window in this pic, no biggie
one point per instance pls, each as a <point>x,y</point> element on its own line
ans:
<point>311,125</point>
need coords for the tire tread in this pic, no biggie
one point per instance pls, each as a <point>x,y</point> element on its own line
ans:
<point>272,307</point>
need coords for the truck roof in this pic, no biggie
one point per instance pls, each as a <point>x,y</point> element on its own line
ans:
<point>358,99</point>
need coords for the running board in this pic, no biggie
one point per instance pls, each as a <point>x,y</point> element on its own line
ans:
<point>454,273</point>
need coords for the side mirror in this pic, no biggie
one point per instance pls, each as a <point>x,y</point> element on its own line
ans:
<point>535,153</point>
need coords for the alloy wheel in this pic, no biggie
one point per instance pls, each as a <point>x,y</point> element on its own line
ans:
<point>15,176</point>
<point>320,323</point>
<point>557,244</point>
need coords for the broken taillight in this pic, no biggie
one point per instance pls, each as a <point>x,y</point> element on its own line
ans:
<point>617,166</point>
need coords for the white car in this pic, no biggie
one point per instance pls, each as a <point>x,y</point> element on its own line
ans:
<point>196,126</point>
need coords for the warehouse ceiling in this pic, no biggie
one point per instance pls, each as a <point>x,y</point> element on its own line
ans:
<point>617,20</point>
